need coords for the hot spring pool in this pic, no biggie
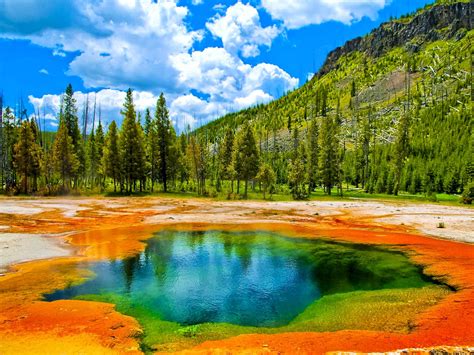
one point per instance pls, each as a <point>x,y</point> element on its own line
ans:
<point>256,278</point>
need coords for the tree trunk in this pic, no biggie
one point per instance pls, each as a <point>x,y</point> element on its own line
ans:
<point>25,184</point>
<point>165,168</point>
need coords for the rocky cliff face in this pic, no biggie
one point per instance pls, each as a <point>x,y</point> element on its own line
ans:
<point>425,27</point>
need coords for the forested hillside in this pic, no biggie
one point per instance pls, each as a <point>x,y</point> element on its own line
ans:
<point>387,113</point>
<point>396,105</point>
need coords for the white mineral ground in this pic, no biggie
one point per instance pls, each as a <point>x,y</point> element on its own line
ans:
<point>426,218</point>
<point>19,247</point>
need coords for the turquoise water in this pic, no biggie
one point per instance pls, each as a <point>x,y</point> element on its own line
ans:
<point>244,278</point>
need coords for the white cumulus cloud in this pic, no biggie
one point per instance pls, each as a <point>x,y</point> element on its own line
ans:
<point>227,83</point>
<point>253,97</point>
<point>121,43</point>
<point>148,46</point>
<point>226,79</point>
<point>240,30</point>
<point>191,111</point>
<point>300,13</point>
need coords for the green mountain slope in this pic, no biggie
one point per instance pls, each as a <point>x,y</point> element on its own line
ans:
<point>417,68</point>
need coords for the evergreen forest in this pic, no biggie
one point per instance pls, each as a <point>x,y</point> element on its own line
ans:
<point>389,114</point>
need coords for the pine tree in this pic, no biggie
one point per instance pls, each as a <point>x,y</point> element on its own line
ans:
<point>10,138</point>
<point>364,153</point>
<point>140,153</point>
<point>267,178</point>
<point>127,139</point>
<point>132,152</point>
<point>245,157</point>
<point>184,167</point>
<point>111,158</point>
<point>100,143</point>
<point>48,169</point>
<point>296,142</point>
<point>173,157</point>
<point>328,158</point>
<point>197,155</point>
<point>353,89</point>
<point>237,162</point>
<point>37,163</point>
<point>225,157</point>
<point>297,176</point>
<point>64,156</point>
<point>340,148</point>
<point>152,148</point>
<point>148,122</point>
<point>468,192</point>
<point>324,101</point>
<point>69,115</point>
<point>27,154</point>
<point>313,154</point>
<point>317,103</point>
<point>401,149</point>
<point>92,158</point>
<point>165,140</point>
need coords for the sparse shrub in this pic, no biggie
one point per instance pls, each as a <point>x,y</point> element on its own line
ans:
<point>431,197</point>
<point>189,332</point>
<point>468,194</point>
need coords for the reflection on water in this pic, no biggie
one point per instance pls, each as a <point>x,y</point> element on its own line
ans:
<point>246,278</point>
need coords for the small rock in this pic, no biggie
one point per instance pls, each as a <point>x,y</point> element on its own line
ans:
<point>117,326</point>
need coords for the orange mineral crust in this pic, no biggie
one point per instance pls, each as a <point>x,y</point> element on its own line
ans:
<point>116,228</point>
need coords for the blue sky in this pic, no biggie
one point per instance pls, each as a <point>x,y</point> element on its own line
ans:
<point>209,57</point>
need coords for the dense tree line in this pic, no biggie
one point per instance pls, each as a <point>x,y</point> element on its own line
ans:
<point>398,123</point>
<point>139,156</point>
<point>131,159</point>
